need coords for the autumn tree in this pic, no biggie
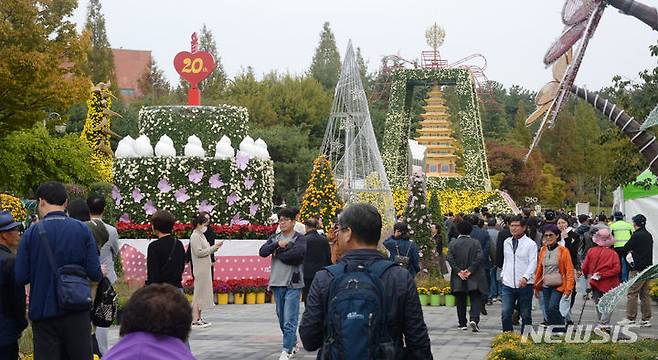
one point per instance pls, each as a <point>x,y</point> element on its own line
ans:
<point>153,83</point>
<point>41,62</point>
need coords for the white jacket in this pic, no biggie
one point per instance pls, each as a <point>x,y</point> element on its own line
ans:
<point>521,263</point>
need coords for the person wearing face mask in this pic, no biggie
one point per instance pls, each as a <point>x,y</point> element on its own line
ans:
<point>570,240</point>
<point>201,250</point>
<point>554,274</point>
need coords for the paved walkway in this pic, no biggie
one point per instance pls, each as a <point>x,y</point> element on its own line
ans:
<point>249,332</point>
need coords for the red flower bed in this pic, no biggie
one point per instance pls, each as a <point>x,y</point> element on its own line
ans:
<point>250,231</point>
<point>240,286</point>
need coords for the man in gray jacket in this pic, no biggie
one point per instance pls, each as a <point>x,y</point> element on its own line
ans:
<point>287,248</point>
<point>467,278</point>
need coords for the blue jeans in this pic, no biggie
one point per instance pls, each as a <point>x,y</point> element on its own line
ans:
<point>510,297</point>
<point>494,284</point>
<point>552,307</point>
<point>542,306</point>
<point>287,310</point>
<point>624,269</point>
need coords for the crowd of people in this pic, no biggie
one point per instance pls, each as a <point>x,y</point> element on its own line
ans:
<point>551,257</point>
<point>360,297</point>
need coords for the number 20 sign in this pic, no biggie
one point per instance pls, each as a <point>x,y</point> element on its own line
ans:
<point>194,67</point>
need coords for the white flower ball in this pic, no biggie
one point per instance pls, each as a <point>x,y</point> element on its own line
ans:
<point>193,139</point>
<point>125,150</point>
<point>194,150</point>
<point>166,139</point>
<point>261,143</point>
<point>162,148</point>
<point>143,146</point>
<point>225,140</point>
<point>224,151</point>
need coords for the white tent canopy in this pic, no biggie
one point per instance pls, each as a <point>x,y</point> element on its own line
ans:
<point>636,199</point>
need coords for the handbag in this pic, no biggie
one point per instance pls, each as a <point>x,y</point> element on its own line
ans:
<point>553,279</point>
<point>104,310</point>
<point>71,282</point>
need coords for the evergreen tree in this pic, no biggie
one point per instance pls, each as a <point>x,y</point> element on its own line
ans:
<point>418,219</point>
<point>325,66</point>
<point>153,83</point>
<point>363,70</point>
<point>437,216</point>
<point>213,86</point>
<point>522,134</point>
<point>100,60</point>
<point>321,195</point>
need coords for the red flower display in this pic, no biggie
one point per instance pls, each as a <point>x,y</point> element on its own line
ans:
<point>250,231</point>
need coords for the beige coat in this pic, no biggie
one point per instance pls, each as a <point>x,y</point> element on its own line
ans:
<point>200,251</point>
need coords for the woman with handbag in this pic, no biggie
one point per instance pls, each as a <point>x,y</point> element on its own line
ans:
<point>555,274</point>
<point>602,268</point>
<point>200,251</point>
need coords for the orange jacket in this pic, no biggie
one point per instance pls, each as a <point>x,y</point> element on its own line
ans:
<point>564,266</point>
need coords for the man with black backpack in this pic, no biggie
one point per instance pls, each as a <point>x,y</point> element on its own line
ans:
<point>365,306</point>
<point>107,239</point>
<point>58,256</point>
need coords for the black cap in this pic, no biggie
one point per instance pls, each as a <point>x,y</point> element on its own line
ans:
<point>640,220</point>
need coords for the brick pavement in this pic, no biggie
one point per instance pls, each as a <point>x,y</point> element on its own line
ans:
<point>249,332</point>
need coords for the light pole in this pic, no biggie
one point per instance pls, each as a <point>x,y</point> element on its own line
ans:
<point>53,116</point>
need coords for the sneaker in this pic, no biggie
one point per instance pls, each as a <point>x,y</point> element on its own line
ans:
<point>474,326</point>
<point>644,323</point>
<point>483,310</point>
<point>627,322</point>
<point>490,302</point>
<point>207,324</point>
<point>462,327</point>
<point>197,325</point>
<point>284,356</point>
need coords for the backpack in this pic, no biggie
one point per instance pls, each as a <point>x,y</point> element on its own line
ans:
<point>99,231</point>
<point>356,325</point>
<point>402,260</point>
<point>104,310</point>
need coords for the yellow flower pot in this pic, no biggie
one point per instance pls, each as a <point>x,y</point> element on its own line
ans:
<point>238,298</point>
<point>260,298</point>
<point>251,298</point>
<point>222,299</point>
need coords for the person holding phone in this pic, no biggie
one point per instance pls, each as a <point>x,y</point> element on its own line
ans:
<point>201,251</point>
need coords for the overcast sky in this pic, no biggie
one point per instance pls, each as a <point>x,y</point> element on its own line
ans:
<point>281,35</point>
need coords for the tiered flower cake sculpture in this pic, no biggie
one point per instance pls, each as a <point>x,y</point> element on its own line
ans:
<point>193,166</point>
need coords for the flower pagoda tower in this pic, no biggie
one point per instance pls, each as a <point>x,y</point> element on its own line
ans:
<point>436,135</point>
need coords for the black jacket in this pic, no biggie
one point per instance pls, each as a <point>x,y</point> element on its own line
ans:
<point>405,313</point>
<point>572,243</point>
<point>641,244</point>
<point>165,261</point>
<point>503,235</point>
<point>12,301</point>
<point>318,254</point>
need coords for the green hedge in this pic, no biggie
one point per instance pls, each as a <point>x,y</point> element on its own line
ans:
<point>208,123</point>
<point>507,346</point>
<point>145,174</point>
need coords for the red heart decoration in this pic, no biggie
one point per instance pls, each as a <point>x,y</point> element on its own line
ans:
<point>194,67</point>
